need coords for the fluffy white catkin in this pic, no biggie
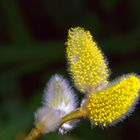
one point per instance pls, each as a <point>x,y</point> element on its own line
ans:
<point>58,101</point>
<point>59,95</point>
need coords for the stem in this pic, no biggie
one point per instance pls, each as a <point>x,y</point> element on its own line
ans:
<point>76,114</point>
<point>35,132</point>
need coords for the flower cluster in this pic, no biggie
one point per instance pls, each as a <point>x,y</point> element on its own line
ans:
<point>105,102</point>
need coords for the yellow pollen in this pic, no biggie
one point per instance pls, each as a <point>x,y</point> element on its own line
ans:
<point>111,104</point>
<point>86,62</point>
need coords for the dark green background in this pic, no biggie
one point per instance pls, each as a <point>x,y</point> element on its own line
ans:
<point>32,37</point>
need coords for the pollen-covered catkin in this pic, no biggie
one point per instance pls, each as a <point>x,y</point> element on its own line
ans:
<point>86,62</point>
<point>112,104</point>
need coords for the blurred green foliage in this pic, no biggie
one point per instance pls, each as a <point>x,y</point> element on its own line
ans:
<point>32,37</point>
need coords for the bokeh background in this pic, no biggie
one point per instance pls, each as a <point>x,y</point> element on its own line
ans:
<point>32,37</point>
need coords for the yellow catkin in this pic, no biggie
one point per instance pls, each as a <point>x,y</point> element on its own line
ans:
<point>112,104</point>
<point>86,62</point>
